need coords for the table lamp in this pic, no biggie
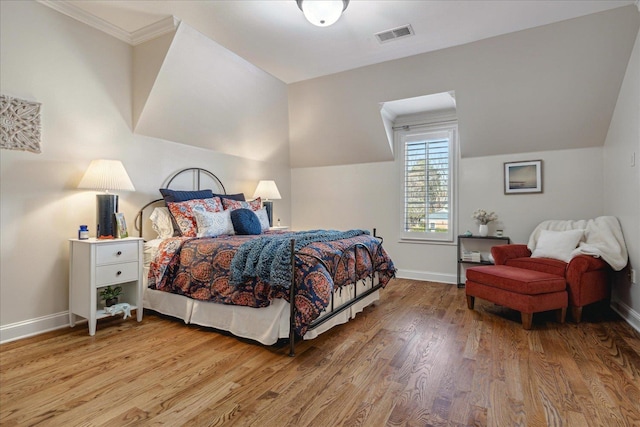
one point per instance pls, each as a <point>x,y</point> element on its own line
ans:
<point>106,175</point>
<point>267,190</point>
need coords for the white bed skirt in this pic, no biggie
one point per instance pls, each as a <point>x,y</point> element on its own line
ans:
<point>265,325</point>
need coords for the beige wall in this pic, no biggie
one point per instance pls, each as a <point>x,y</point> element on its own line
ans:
<point>622,184</point>
<point>546,88</point>
<point>83,78</point>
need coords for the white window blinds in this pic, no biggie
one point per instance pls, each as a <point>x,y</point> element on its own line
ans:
<point>427,184</point>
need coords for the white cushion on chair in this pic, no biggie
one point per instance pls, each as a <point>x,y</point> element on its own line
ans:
<point>557,244</point>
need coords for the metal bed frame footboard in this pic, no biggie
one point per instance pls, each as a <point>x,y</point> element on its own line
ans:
<point>334,310</point>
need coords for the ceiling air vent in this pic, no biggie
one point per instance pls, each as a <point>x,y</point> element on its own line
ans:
<point>394,34</point>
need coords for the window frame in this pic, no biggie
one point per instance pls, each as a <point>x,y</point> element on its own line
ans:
<point>411,133</point>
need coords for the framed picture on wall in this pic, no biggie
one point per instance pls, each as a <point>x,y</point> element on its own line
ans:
<point>121,226</point>
<point>523,177</point>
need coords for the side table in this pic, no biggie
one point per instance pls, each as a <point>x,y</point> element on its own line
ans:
<point>478,240</point>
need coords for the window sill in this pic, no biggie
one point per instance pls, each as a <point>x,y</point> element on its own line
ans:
<point>426,241</point>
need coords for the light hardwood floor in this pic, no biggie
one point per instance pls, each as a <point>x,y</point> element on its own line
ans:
<point>418,357</point>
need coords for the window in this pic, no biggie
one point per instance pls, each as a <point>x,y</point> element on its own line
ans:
<point>427,167</point>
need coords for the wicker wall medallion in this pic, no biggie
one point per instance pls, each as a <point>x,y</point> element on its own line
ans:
<point>19,124</point>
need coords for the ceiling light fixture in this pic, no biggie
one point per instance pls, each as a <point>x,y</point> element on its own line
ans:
<point>322,13</point>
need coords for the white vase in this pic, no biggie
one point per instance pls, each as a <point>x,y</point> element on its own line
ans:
<point>483,230</point>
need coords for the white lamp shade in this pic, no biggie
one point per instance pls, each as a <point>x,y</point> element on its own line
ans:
<point>106,175</point>
<point>267,190</point>
<point>322,13</point>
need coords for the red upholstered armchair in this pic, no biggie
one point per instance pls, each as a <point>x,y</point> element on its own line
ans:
<point>586,276</point>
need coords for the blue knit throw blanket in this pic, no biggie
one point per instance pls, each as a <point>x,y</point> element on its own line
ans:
<point>269,257</point>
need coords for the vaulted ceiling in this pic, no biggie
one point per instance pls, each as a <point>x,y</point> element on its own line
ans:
<point>274,36</point>
<point>255,79</point>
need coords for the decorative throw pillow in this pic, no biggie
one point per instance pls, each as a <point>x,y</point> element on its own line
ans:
<point>557,244</point>
<point>239,197</point>
<point>171,196</point>
<point>245,221</point>
<point>263,217</point>
<point>161,222</point>
<point>254,205</point>
<point>182,213</point>
<point>212,224</point>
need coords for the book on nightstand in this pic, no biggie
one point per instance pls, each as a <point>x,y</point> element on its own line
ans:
<point>471,256</point>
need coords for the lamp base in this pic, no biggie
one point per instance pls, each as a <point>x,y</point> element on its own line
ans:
<point>106,207</point>
<point>268,205</point>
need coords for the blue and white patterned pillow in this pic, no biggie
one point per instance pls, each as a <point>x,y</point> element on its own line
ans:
<point>212,224</point>
<point>264,219</point>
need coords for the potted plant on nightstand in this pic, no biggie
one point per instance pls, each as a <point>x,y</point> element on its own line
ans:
<point>110,295</point>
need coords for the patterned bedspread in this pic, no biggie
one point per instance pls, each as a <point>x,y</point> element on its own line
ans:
<point>199,268</point>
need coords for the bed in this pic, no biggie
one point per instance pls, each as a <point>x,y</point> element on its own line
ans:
<point>243,283</point>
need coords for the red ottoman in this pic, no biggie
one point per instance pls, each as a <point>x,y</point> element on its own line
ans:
<point>527,291</point>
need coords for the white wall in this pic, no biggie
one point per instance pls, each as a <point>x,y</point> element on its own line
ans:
<point>366,196</point>
<point>622,184</point>
<point>83,78</point>
<point>572,189</point>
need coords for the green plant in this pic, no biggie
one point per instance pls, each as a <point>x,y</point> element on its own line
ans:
<point>109,293</point>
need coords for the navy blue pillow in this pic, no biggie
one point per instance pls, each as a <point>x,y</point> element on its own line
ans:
<point>239,197</point>
<point>245,221</point>
<point>183,196</point>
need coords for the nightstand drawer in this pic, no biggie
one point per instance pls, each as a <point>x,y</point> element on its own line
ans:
<point>116,273</point>
<point>116,252</point>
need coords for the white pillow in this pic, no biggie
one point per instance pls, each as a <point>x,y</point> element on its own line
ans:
<point>264,219</point>
<point>161,222</point>
<point>212,224</point>
<point>557,244</point>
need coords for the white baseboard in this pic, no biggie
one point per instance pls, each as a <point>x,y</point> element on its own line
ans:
<point>427,276</point>
<point>31,327</point>
<point>631,316</point>
<point>40,325</point>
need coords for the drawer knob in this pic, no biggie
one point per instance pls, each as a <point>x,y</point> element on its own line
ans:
<point>119,253</point>
<point>118,273</point>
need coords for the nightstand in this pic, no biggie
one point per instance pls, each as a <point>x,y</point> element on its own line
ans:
<point>279,227</point>
<point>94,264</point>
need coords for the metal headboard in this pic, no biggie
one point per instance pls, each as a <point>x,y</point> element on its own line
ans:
<point>197,174</point>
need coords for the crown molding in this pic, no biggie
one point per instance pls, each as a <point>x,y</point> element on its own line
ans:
<point>134,38</point>
<point>157,29</point>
